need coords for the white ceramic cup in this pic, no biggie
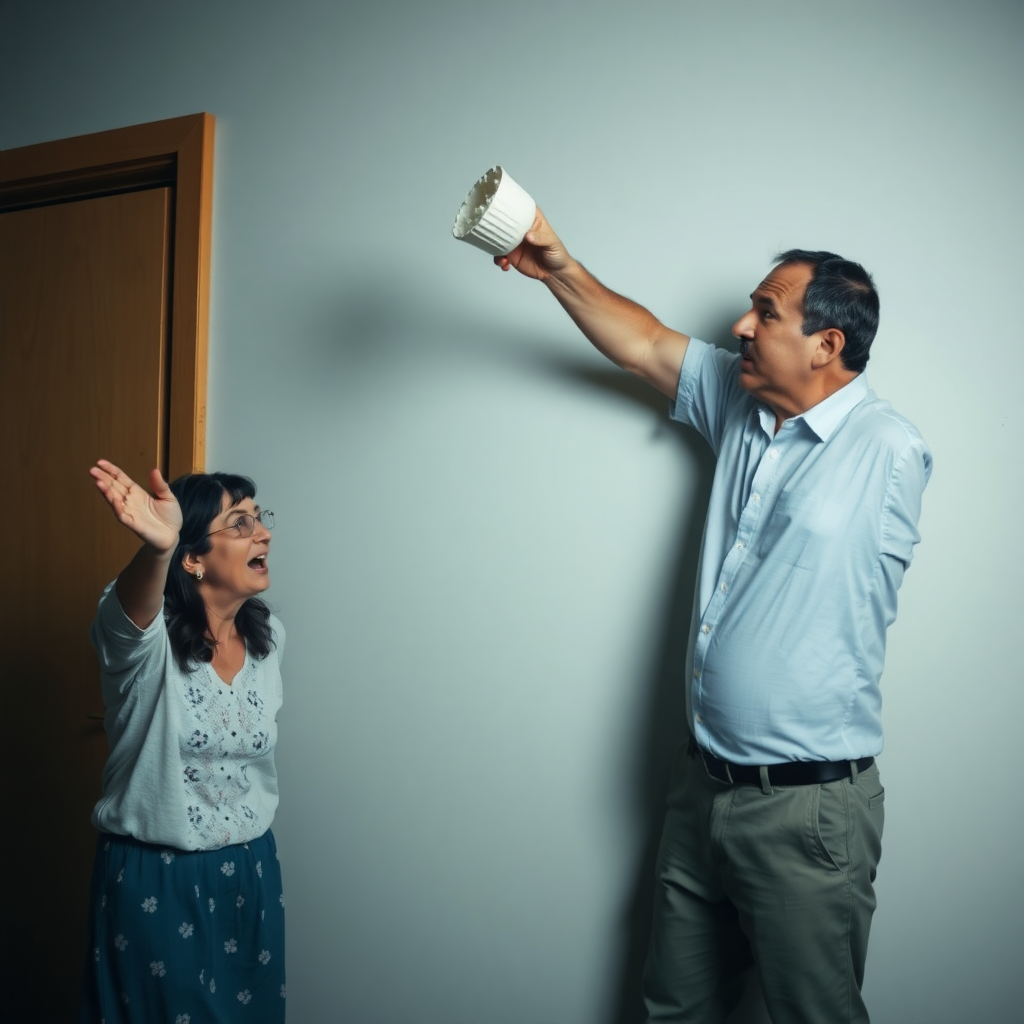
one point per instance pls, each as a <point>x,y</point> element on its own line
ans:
<point>496,215</point>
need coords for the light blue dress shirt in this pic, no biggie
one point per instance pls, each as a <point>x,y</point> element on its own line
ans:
<point>808,535</point>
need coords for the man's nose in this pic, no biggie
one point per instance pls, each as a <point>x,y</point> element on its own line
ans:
<point>744,327</point>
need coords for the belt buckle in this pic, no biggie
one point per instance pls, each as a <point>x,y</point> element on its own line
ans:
<point>711,762</point>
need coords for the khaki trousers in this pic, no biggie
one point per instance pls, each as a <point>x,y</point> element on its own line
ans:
<point>781,879</point>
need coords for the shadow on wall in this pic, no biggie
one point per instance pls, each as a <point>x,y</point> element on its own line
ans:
<point>356,334</point>
<point>370,329</point>
<point>662,725</point>
<point>661,728</point>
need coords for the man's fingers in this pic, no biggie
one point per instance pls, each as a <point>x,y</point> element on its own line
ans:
<point>540,232</point>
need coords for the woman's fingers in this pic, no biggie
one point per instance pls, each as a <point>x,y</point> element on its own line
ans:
<point>115,483</point>
<point>156,518</point>
<point>159,486</point>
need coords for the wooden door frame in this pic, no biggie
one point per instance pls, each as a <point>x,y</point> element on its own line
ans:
<point>179,152</point>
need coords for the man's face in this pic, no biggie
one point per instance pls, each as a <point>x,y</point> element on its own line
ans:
<point>776,356</point>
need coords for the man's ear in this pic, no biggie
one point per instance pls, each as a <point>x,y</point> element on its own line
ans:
<point>830,344</point>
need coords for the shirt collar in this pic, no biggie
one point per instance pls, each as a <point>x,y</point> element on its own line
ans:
<point>824,417</point>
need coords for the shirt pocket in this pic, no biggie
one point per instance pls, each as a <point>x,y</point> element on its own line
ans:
<point>797,529</point>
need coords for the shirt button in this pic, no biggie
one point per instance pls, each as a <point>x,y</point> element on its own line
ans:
<point>705,629</point>
<point>696,673</point>
<point>755,497</point>
<point>698,719</point>
<point>741,545</point>
<point>724,587</point>
<point>773,454</point>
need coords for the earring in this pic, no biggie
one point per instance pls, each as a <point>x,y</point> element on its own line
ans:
<point>199,574</point>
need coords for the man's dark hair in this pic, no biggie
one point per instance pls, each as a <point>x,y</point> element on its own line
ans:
<point>840,294</point>
<point>200,496</point>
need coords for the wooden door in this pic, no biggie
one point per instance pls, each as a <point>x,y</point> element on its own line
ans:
<point>92,277</point>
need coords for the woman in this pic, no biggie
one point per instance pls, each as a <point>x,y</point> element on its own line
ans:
<point>186,922</point>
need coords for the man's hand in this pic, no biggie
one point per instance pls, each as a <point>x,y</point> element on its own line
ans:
<point>539,255</point>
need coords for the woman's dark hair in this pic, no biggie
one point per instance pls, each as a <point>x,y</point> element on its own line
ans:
<point>840,294</point>
<point>200,496</point>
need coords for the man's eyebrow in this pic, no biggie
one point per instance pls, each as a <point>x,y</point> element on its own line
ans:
<point>759,298</point>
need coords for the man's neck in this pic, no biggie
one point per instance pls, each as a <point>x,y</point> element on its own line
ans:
<point>819,390</point>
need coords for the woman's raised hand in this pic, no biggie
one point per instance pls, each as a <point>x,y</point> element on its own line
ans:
<point>155,518</point>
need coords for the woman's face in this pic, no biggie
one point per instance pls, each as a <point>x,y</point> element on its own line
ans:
<point>236,565</point>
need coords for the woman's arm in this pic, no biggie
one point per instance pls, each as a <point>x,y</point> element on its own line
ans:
<point>156,519</point>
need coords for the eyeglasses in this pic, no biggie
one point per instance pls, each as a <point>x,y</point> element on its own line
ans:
<point>245,523</point>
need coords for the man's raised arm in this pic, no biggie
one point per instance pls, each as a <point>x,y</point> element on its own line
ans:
<point>627,333</point>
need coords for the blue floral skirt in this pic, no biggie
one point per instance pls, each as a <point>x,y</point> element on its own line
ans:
<point>185,937</point>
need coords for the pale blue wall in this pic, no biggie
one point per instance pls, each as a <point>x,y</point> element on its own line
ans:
<point>485,536</point>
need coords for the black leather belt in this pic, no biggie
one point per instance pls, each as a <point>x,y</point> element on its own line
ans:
<point>790,773</point>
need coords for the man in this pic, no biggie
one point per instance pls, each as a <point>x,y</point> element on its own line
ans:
<point>773,829</point>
